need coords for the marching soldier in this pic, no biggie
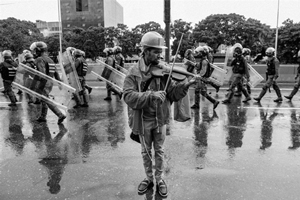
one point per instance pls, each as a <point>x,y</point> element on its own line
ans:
<point>81,68</point>
<point>29,61</point>
<point>46,65</point>
<point>297,77</point>
<point>204,70</point>
<point>8,69</point>
<point>118,56</point>
<point>239,70</point>
<point>272,75</point>
<point>111,62</point>
<point>85,84</point>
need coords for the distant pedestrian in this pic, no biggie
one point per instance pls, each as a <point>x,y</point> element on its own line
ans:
<point>272,74</point>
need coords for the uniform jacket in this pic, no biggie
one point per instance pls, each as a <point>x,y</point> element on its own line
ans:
<point>139,101</point>
<point>119,59</point>
<point>8,70</point>
<point>240,66</point>
<point>272,66</point>
<point>81,66</point>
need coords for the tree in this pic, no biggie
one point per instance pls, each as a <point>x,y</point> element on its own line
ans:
<point>177,29</point>
<point>229,29</point>
<point>288,41</point>
<point>17,35</point>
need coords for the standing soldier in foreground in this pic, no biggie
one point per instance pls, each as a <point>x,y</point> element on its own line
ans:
<point>8,69</point>
<point>149,107</point>
<point>272,75</point>
<point>46,65</point>
<point>81,68</point>
<point>203,69</point>
<point>239,70</point>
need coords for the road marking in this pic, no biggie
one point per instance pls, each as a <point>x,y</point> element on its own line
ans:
<point>275,108</point>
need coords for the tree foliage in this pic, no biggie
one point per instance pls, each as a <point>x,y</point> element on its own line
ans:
<point>17,35</point>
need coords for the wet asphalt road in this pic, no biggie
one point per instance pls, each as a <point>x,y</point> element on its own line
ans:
<point>240,151</point>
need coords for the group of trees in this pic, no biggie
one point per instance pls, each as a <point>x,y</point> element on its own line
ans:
<point>214,30</point>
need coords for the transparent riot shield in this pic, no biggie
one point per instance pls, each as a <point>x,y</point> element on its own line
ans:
<point>227,63</point>
<point>69,67</point>
<point>255,77</point>
<point>122,69</point>
<point>218,75</point>
<point>43,87</point>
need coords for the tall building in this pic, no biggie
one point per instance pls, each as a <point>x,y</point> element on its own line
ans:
<point>86,13</point>
<point>47,28</point>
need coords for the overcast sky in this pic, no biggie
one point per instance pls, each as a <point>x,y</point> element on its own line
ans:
<point>142,11</point>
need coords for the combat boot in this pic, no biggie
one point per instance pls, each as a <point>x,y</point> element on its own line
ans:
<point>261,95</point>
<point>245,93</point>
<point>212,100</point>
<point>215,86</point>
<point>277,90</point>
<point>108,98</point>
<point>85,100</point>
<point>295,90</point>
<point>230,95</point>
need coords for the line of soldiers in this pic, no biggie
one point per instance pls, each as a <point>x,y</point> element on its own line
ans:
<point>239,78</point>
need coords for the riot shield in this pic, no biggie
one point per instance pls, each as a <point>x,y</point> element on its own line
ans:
<point>69,67</point>
<point>218,75</point>
<point>255,77</point>
<point>122,69</point>
<point>43,87</point>
<point>227,63</point>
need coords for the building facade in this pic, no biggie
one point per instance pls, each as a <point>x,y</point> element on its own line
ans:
<point>47,28</point>
<point>86,13</point>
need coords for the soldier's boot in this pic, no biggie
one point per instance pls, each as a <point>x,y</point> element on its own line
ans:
<point>108,98</point>
<point>278,93</point>
<point>44,112</point>
<point>215,86</point>
<point>261,95</point>
<point>88,88</point>
<point>229,97</point>
<point>248,89</point>
<point>85,99</point>
<point>12,98</point>
<point>294,91</point>
<point>212,100</point>
<point>29,97</point>
<point>245,93</point>
<point>58,113</point>
<point>77,100</point>
<point>197,100</point>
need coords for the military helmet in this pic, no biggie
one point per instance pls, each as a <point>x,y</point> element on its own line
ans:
<point>7,54</point>
<point>40,46</point>
<point>108,51</point>
<point>270,51</point>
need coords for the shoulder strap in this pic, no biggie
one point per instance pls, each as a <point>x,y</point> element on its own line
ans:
<point>147,84</point>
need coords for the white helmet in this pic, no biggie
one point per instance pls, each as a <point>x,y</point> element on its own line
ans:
<point>270,51</point>
<point>117,49</point>
<point>108,51</point>
<point>153,39</point>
